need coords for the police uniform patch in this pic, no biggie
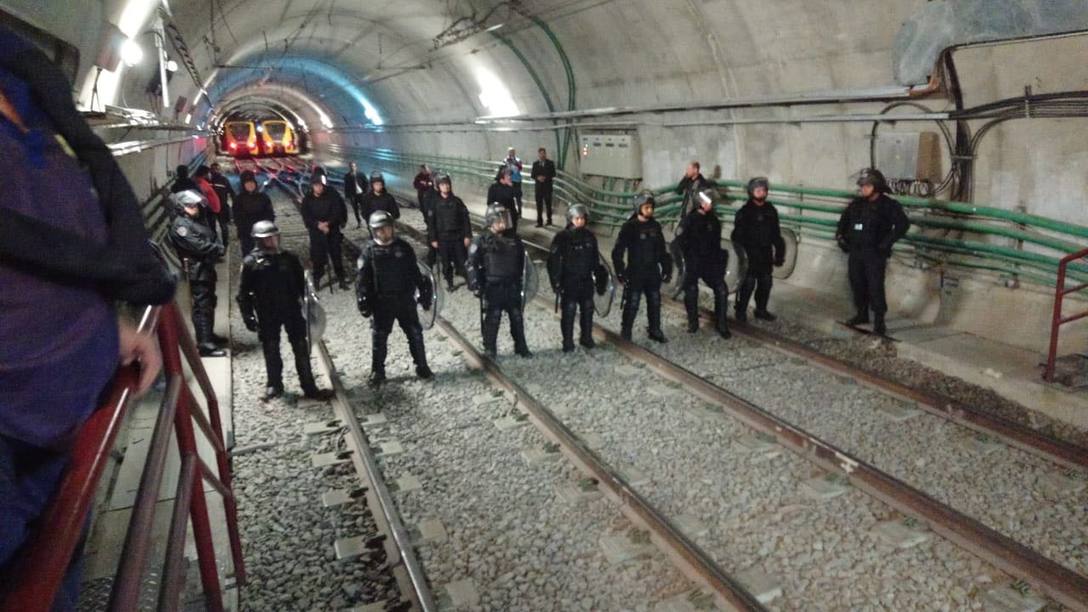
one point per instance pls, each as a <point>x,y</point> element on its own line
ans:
<point>183,231</point>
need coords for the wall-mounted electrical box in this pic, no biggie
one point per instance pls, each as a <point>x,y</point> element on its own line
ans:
<point>614,155</point>
<point>910,156</point>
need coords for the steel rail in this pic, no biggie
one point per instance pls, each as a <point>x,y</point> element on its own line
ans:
<point>689,558</point>
<point>366,466</point>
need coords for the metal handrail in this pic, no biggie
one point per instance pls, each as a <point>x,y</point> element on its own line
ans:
<point>1058,319</point>
<point>38,575</point>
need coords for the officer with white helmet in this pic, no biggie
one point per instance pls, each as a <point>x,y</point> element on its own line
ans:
<point>389,287</point>
<point>270,298</point>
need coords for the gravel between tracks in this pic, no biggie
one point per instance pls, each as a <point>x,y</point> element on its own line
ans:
<point>754,511</point>
<point>522,546</point>
<point>1004,487</point>
<point>287,536</point>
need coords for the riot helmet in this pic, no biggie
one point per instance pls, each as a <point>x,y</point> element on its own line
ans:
<point>706,197</point>
<point>874,177</point>
<point>188,200</point>
<point>381,227</point>
<point>442,177</point>
<point>248,177</point>
<point>267,235</point>
<point>756,183</point>
<point>643,198</point>
<point>376,177</point>
<point>497,213</point>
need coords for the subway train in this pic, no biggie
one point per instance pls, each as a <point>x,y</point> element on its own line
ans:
<point>278,138</point>
<point>240,139</point>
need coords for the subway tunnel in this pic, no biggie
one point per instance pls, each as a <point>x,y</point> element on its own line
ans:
<point>932,456</point>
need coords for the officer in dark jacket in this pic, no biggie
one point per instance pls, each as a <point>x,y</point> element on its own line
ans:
<point>648,264</point>
<point>379,199</point>
<point>449,230</point>
<point>250,206</point>
<point>700,240</point>
<point>388,286</point>
<point>225,191</point>
<point>503,193</point>
<point>198,247</point>
<point>692,183</point>
<point>354,190</point>
<point>543,175</point>
<point>756,233</point>
<point>867,229</point>
<point>496,273</point>
<point>270,298</point>
<point>575,270</point>
<point>182,181</point>
<point>324,214</point>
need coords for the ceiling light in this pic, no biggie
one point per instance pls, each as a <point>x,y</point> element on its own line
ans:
<point>131,53</point>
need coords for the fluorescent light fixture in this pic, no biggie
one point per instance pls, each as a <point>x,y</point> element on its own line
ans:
<point>495,27</point>
<point>494,95</point>
<point>131,53</point>
<point>188,118</point>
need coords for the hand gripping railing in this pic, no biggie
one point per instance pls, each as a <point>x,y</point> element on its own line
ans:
<point>1060,291</point>
<point>38,575</point>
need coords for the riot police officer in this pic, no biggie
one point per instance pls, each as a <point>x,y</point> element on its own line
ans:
<point>700,240</point>
<point>198,247</point>
<point>378,198</point>
<point>324,213</point>
<point>648,264</point>
<point>449,229</point>
<point>757,234</point>
<point>496,274</point>
<point>389,280</point>
<point>575,270</point>
<point>867,229</point>
<point>269,298</point>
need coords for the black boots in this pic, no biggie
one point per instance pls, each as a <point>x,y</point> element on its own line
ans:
<point>764,315</point>
<point>859,319</point>
<point>419,354</point>
<point>721,311</point>
<point>878,325</point>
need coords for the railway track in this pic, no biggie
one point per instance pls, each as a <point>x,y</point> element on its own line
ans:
<point>720,587</point>
<point>1053,579</point>
<point>1063,584</point>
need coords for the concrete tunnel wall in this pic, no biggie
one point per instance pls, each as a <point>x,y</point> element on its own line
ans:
<point>645,52</point>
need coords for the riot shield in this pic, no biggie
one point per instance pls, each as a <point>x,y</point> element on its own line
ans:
<point>604,289</point>
<point>313,312</point>
<point>428,316</point>
<point>530,282</point>
<point>735,268</point>
<point>676,287</point>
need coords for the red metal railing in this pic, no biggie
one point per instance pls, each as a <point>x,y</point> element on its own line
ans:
<point>1060,291</point>
<point>38,575</point>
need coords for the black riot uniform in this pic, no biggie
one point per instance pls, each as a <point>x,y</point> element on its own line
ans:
<point>507,197</point>
<point>329,208</point>
<point>574,267</point>
<point>757,234</point>
<point>269,298</point>
<point>389,278</point>
<point>373,202</point>
<point>198,247</point>
<point>250,207</point>
<point>700,240</point>
<point>226,194</point>
<point>867,230</point>
<point>354,189</point>
<point>449,226</point>
<point>496,269</point>
<point>642,262</point>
